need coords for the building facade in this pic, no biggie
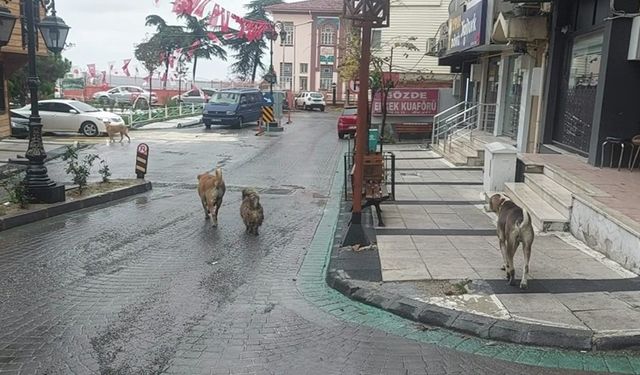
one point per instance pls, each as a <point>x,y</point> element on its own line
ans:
<point>13,56</point>
<point>414,21</point>
<point>307,60</point>
<point>498,49</point>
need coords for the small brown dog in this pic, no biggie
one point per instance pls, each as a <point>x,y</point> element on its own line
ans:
<point>115,129</point>
<point>514,227</point>
<point>251,211</point>
<point>211,189</point>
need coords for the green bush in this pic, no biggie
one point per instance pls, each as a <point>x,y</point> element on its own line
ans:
<point>17,191</point>
<point>79,169</point>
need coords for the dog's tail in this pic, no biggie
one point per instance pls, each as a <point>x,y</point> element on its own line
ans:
<point>526,219</point>
<point>219,173</point>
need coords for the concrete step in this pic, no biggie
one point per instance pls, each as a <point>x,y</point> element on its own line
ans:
<point>543,216</point>
<point>459,156</point>
<point>571,183</point>
<point>552,192</point>
<point>465,143</point>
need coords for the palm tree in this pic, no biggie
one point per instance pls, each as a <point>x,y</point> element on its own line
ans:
<point>198,31</point>
<point>169,38</point>
<point>249,54</point>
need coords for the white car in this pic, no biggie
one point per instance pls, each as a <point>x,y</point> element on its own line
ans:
<point>59,115</point>
<point>310,100</point>
<point>195,96</point>
<point>124,94</point>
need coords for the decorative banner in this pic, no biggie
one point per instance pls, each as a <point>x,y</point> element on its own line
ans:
<point>125,67</point>
<point>408,102</point>
<point>92,70</point>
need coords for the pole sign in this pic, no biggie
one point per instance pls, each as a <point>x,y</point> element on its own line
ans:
<point>408,102</point>
<point>142,157</point>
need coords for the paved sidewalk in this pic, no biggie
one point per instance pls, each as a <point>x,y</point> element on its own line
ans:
<point>439,247</point>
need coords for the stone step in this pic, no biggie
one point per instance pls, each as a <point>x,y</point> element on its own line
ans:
<point>465,143</point>
<point>543,216</point>
<point>571,183</point>
<point>459,156</point>
<point>552,192</point>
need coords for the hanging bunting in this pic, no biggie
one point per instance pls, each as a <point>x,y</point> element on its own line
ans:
<point>125,67</point>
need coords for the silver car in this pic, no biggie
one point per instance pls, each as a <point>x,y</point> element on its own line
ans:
<point>124,94</point>
<point>195,96</point>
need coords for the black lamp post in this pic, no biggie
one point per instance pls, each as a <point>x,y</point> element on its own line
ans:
<point>54,32</point>
<point>273,35</point>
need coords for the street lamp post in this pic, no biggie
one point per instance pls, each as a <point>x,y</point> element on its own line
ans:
<point>54,31</point>
<point>271,76</point>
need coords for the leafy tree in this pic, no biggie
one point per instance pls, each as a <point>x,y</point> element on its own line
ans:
<point>49,69</point>
<point>249,54</point>
<point>149,53</point>
<point>169,38</point>
<point>198,31</point>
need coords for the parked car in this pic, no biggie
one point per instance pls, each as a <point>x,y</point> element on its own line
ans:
<point>19,126</point>
<point>235,107</point>
<point>59,115</point>
<point>124,94</point>
<point>347,122</point>
<point>195,96</point>
<point>310,100</point>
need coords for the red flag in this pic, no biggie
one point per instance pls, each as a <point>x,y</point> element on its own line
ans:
<point>125,67</point>
<point>199,7</point>
<point>215,14</point>
<point>92,70</point>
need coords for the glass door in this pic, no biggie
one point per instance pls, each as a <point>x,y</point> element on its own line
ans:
<point>513,97</point>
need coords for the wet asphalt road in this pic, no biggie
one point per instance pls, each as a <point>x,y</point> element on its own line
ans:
<point>146,286</point>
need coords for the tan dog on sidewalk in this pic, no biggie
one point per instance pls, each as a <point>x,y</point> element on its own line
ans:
<point>211,189</point>
<point>514,227</point>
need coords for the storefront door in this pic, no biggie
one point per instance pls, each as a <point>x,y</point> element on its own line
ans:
<point>493,73</point>
<point>578,94</point>
<point>513,97</point>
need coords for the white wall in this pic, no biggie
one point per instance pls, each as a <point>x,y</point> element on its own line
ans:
<point>415,18</point>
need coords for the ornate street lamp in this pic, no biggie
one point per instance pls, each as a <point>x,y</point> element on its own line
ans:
<point>7,23</point>
<point>54,31</point>
<point>366,14</point>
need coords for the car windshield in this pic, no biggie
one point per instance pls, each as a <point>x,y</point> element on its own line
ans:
<point>225,98</point>
<point>84,107</point>
<point>350,112</point>
<point>316,95</point>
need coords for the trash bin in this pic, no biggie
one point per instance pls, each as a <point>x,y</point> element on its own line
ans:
<point>373,140</point>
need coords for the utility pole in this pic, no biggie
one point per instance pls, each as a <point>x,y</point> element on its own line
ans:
<point>366,14</point>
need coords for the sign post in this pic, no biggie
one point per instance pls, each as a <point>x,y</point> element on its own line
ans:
<point>142,157</point>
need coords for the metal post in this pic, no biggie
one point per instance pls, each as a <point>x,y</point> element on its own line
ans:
<point>271,68</point>
<point>39,186</point>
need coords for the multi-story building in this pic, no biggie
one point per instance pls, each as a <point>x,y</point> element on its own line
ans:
<point>413,21</point>
<point>13,56</point>
<point>307,60</point>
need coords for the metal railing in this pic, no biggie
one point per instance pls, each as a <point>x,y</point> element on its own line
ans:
<point>144,116</point>
<point>461,120</point>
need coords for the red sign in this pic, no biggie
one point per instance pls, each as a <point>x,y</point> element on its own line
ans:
<point>408,102</point>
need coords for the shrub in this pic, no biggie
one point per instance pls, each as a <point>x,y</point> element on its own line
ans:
<point>79,169</point>
<point>104,170</point>
<point>17,191</point>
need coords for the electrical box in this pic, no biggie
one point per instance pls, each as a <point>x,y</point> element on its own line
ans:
<point>499,166</point>
<point>634,40</point>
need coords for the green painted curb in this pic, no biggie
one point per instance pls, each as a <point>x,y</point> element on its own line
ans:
<point>311,283</point>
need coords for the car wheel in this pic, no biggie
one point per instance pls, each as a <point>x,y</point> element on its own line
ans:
<point>322,109</point>
<point>103,100</point>
<point>89,129</point>
<point>306,107</point>
<point>142,103</point>
<point>240,123</point>
<point>341,135</point>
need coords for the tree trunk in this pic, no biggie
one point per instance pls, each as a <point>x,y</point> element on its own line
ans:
<point>256,62</point>
<point>166,72</point>
<point>195,65</point>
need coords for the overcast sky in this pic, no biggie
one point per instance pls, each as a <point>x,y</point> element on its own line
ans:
<point>107,30</point>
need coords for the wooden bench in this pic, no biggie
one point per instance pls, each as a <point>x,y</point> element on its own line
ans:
<point>374,186</point>
<point>413,128</point>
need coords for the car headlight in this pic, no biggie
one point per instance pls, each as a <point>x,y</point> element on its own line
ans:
<point>105,120</point>
<point>231,113</point>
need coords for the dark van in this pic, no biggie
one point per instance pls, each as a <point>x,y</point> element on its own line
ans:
<point>235,107</point>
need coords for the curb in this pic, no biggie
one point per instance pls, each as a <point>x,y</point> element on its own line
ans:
<point>66,207</point>
<point>478,325</point>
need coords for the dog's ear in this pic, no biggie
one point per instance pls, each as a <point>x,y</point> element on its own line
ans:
<point>199,176</point>
<point>219,173</point>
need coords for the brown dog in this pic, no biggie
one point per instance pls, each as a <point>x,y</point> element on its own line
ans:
<point>251,211</point>
<point>115,129</point>
<point>211,189</point>
<point>514,227</point>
